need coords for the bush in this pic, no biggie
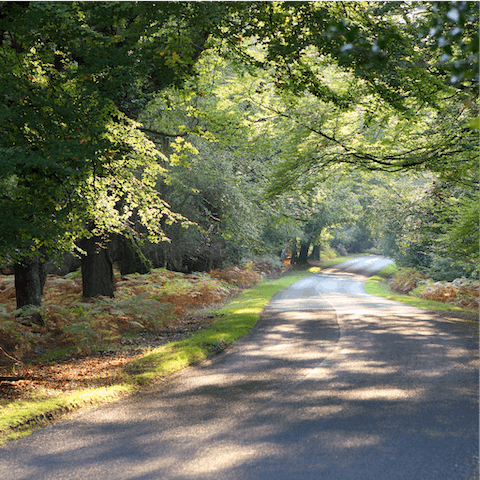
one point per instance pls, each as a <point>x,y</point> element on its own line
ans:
<point>405,280</point>
<point>328,253</point>
<point>443,269</point>
<point>461,292</point>
<point>239,276</point>
<point>414,256</point>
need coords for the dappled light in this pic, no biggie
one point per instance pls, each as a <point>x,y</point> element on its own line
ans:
<point>306,391</point>
<point>158,159</point>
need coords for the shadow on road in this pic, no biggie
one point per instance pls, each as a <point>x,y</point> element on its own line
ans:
<point>360,389</point>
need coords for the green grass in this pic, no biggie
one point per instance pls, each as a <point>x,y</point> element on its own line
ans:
<point>378,285</point>
<point>20,418</point>
<point>235,320</point>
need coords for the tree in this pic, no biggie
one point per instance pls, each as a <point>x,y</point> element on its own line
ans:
<point>73,76</point>
<point>377,67</point>
<point>404,52</point>
<point>213,178</point>
<point>428,224</point>
<point>371,85</point>
<point>460,233</point>
<point>386,87</point>
<point>315,212</point>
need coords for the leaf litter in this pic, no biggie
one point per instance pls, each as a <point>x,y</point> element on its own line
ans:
<point>90,342</point>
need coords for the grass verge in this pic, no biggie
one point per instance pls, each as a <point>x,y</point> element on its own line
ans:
<point>234,320</point>
<point>378,285</point>
<point>21,418</point>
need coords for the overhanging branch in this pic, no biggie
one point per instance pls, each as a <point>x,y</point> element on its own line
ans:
<point>407,159</point>
<point>163,134</point>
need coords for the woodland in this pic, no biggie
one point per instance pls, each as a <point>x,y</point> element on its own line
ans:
<point>195,136</point>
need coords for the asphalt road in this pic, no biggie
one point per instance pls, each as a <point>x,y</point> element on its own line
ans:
<point>331,384</point>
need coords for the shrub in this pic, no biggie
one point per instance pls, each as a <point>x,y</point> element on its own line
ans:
<point>414,256</point>
<point>328,253</point>
<point>461,292</point>
<point>239,276</point>
<point>444,269</point>
<point>405,280</point>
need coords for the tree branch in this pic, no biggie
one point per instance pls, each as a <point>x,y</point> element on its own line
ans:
<point>163,134</point>
<point>389,163</point>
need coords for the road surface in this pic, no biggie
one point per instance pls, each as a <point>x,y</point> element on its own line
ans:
<point>331,384</point>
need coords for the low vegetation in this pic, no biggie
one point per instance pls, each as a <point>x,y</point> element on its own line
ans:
<point>74,326</point>
<point>461,292</point>
<point>157,324</point>
<point>408,285</point>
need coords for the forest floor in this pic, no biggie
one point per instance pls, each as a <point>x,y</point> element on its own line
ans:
<point>87,343</point>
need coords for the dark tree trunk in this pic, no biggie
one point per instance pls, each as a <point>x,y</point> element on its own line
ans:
<point>129,257</point>
<point>97,268</point>
<point>293,259</point>
<point>29,282</point>
<point>316,253</point>
<point>303,257</point>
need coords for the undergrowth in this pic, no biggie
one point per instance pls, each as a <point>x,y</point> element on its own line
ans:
<point>414,288</point>
<point>405,280</point>
<point>77,326</point>
<point>461,292</point>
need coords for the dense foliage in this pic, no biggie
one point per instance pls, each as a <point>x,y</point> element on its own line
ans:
<point>70,75</point>
<point>260,125</point>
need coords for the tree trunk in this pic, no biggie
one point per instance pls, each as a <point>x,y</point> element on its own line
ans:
<point>316,253</point>
<point>30,279</point>
<point>29,282</point>
<point>97,268</point>
<point>130,258</point>
<point>303,257</point>
<point>293,259</point>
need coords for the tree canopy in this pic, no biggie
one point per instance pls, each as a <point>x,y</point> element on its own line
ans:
<point>73,78</point>
<point>135,117</point>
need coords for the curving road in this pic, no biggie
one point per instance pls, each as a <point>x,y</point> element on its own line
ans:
<point>331,384</point>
